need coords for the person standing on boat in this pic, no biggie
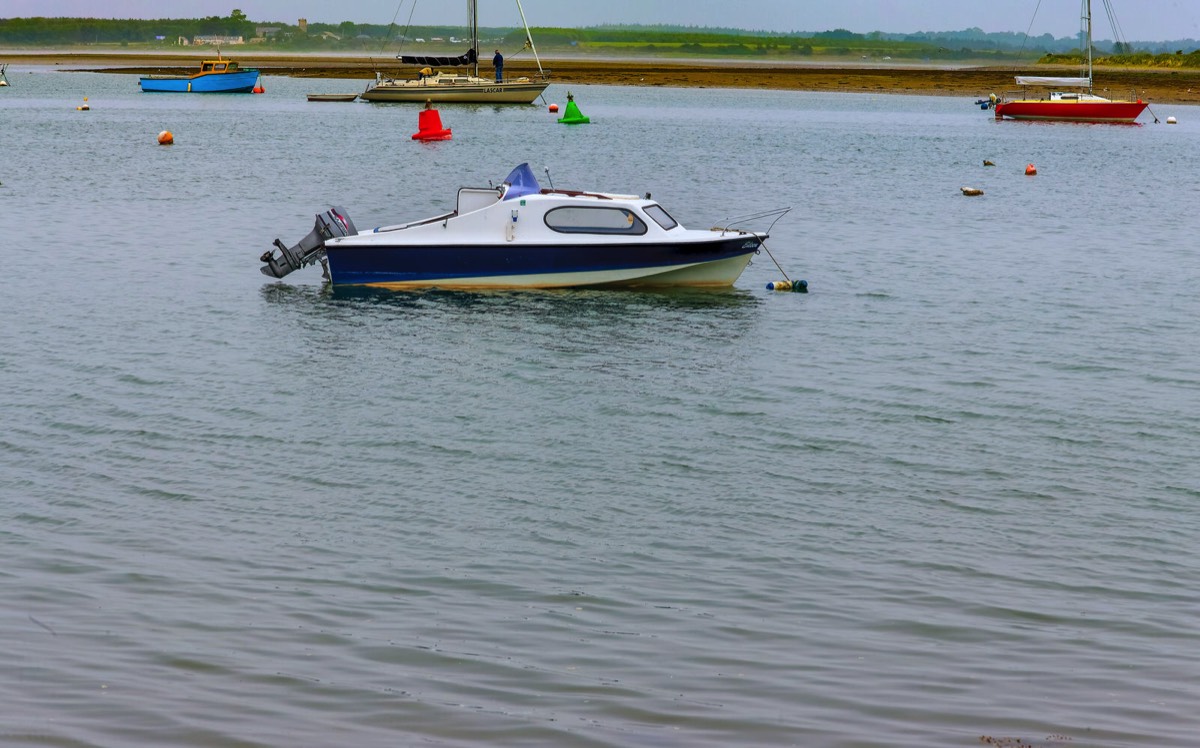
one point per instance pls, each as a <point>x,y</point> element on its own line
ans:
<point>498,63</point>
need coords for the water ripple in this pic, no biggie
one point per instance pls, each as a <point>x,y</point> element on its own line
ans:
<point>949,494</point>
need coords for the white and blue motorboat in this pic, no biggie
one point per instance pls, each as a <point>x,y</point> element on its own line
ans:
<point>520,235</point>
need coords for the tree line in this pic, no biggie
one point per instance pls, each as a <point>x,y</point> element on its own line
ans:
<point>685,40</point>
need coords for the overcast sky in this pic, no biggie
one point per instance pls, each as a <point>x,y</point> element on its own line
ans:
<point>1139,19</point>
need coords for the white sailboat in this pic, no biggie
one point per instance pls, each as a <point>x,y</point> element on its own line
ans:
<point>439,86</point>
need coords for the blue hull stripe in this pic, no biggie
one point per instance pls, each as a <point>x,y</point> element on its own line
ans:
<point>384,264</point>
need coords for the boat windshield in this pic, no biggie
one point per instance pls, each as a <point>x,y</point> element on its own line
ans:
<point>661,217</point>
<point>521,182</point>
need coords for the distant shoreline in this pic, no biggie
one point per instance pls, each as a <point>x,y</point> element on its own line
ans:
<point>1158,86</point>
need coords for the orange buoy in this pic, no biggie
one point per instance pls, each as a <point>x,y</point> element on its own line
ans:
<point>1030,170</point>
<point>259,89</point>
<point>166,138</point>
<point>554,107</point>
<point>429,125</point>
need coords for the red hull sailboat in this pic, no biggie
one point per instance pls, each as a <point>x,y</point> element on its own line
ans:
<point>1081,106</point>
<point>1071,107</point>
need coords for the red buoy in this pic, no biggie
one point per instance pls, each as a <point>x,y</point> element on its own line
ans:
<point>166,138</point>
<point>429,125</point>
<point>259,89</point>
<point>1030,170</point>
<point>554,107</point>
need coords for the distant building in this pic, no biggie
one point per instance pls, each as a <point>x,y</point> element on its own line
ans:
<point>218,39</point>
<point>263,33</point>
<point>303,24</point>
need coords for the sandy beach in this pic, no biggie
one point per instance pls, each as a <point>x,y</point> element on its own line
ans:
<point>1153,85</point>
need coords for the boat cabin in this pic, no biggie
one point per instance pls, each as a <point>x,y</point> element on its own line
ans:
<point>218,66</point>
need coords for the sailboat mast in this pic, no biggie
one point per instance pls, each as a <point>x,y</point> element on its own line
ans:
<point>473,19</point>
<point>1087,19</point>
<point>529,38</point>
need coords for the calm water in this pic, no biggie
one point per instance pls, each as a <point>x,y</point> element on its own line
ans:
<point>952,493</point>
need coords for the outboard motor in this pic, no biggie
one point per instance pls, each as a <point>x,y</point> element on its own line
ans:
<point>311,249</point>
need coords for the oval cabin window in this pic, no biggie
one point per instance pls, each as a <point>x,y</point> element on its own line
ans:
<point>594,221</point>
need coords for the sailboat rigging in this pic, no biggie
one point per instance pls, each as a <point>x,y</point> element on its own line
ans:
<point>439,86</point>
<point>1070,106</point>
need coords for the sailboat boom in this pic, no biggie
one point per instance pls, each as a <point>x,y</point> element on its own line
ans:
<point>1047,80</point>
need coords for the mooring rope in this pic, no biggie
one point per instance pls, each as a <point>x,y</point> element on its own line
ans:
<point>763,244</point>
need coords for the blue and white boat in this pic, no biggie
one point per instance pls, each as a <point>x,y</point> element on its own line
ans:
<point>215,76</point>
<point>519,235</point>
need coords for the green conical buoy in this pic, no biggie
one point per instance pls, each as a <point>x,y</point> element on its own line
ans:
<point>573,116</point>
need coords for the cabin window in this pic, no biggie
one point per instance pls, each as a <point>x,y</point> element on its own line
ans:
<point>221,67</point>
<point>594,221</point>
<point>661,217</point>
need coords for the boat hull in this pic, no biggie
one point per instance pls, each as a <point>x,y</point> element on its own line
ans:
<point>1123,112</point>
<point>714,263</point>
<point>241,81</point>
<point>462,93</point>
<point>332,97</point>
